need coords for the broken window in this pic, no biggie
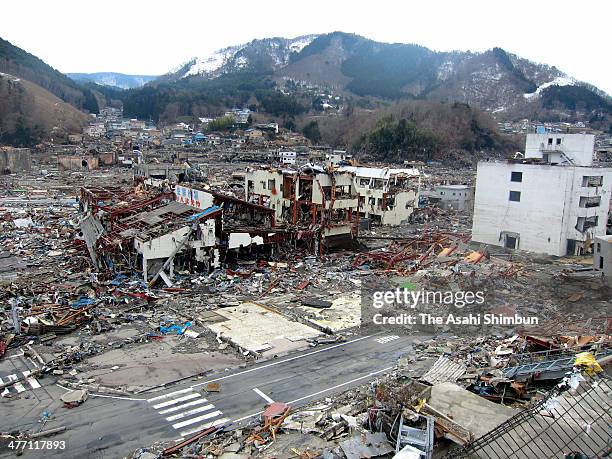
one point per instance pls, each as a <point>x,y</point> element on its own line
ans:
<point>590,201</point>
<point>389,202</point>
<point>372,201</point>
<point>510,242</point>
<point>516,177</point>
<point>550,141</point>
<point>263,184</point>
<point>546,157</point>
<point>515,196</point>
<point>272,184</point>
<point>559,141</point>
<point>592,181</point>
<point>598,247</point>
<point>364,182</point>
<point>379,183</point>
<point>585,223</point>
<point>305,188</point>
<point>601,263</point>
<point>327,192</point>
<point>343,191</point>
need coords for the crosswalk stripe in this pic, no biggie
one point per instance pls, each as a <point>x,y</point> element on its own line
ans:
<point>176,400</point>
<point>184,405</point>
<point>184,414</point>
<point>31,380</point>
<point>18,386</point>
<point>161,397</point>
<point>213,414</point>
<point>216,422</point>
<point>5,391</point>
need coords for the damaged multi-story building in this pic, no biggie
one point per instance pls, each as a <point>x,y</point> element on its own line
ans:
<point>158,233</point>
<point>387,196</point>
<point>335,197</point>
<point>309,199</point>
<point>550,200</point>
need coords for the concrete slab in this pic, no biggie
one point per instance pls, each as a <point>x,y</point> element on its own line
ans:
<point>258,329</point>
<point>344,313</point>
<point>470,411</point>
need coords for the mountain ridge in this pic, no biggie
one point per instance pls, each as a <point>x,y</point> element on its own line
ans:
<point>494,80</point>
<point>113,79</point>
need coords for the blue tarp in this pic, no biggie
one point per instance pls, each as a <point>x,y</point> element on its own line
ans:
<point>81,302</point>
<point>174,328</point>
<point>204,213</point>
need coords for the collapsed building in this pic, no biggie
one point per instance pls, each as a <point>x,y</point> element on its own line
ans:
<point>310,199</point>
<point>386,196</point>
<point>160,232</point>
<point>336,198</point>
<point>551,200</point>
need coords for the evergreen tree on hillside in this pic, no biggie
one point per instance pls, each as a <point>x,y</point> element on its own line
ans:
<point>311,132</point>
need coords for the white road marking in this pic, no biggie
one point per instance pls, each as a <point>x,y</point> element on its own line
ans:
<point>369,375</point>
<point>116,397</point>
<point>5,391</point>
<point>18,386</point>
<point>216,422</point>
<point>31,380</point>
<point>199,409</point>
<point>161,397</point>
<point>213,414</point>
<point>184,405</point>
<point>282,361</point>
<point>175,401</point>
<point>262,395</point>
<point>386,339</point>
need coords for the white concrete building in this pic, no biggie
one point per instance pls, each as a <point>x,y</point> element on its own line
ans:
<point>542,207</point>
<point>388,196</point>
<point>337,156</point>
<point>602,257</point>
<point>566,149</point>
<point>455,197</point>
<point>287,157</point>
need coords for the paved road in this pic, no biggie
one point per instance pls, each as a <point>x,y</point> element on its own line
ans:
<point>110,426</point>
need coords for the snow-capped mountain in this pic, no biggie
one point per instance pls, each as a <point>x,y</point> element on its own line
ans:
<point>494,80</point>
<point>267,54</point>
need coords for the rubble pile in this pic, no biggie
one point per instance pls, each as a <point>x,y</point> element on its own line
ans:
<point>439,412</point>
<point>96,323</point>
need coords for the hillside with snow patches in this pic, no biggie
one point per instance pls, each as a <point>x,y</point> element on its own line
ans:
<point>267,54</point>
<point>494,80</point>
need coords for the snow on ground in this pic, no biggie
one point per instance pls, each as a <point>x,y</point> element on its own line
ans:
<point>300,43</point>
<point>559,81</point>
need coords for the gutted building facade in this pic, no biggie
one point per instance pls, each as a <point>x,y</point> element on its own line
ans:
<point>386,196</point>
<point>309,199</point>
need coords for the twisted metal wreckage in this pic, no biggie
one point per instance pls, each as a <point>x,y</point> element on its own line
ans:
<point>193,229</point>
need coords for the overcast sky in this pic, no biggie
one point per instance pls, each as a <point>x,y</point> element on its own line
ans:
<point>151,37</point>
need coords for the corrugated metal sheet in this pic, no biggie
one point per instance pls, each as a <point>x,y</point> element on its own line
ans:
<point>444,370</point>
